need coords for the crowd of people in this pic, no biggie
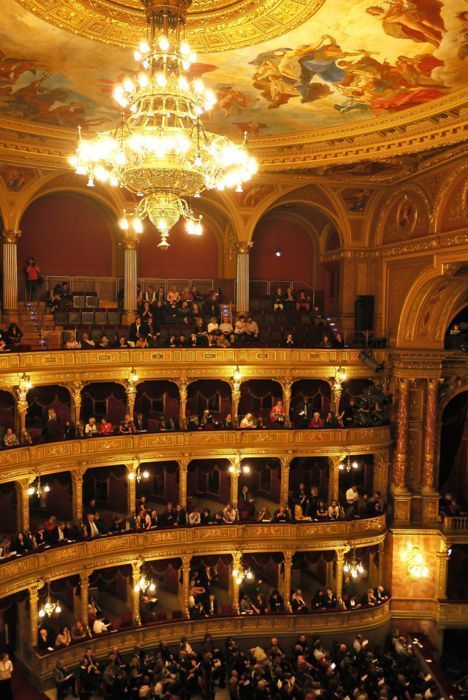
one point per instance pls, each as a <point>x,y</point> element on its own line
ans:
<point>305,505</point>
<point>305,669</point>
<point>10,339</point>
<point>303,416</point>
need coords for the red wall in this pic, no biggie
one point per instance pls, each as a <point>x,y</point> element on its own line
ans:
<point>67,236</point>
<point>193,257</point>
<point>297,252</point>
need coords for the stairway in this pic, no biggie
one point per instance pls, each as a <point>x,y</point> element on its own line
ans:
<point>37,325</point>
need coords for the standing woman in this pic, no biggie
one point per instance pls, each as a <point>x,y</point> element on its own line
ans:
<point>6,672</point>
<point>33,279</point>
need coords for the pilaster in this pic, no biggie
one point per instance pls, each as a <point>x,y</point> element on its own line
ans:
<point>234,483</point>
<point>334,476</point>
<point>430,496</point>
<point>84,599</point>
<point>243,277</point>
<point>77,494</point>
<point>131,241</point>
<point>186,562</point>
<point>284,483</point>
<point>33,612</point>
<point>22,502</point>
<point>236,564</point>
<point>288,557</point>
<point>183,470</point>
<point>10,271</point>
<point>136,574</point>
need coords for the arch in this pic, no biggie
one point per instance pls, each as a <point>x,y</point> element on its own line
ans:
<point>444,194</point>
<point>431,301</point>
<point>83,222</point>
<point>328,202</point>
<point>292,235</point>
<point>453,438</point>
<point>384,206</point>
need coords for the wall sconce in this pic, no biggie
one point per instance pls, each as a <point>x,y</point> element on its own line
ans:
<point>278,253</point>
<point>37,489</point>
<point>138,473</point>
<point>340,375</point>
<point>50,606</point>
<point>237,469</point>
<point>237,376</point>
<point>416,567</point>
<point>348,465</point>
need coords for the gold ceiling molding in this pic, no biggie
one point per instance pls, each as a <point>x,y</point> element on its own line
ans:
<point>212,25</point>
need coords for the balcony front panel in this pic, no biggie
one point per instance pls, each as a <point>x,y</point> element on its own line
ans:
<point>18,462</point>
<point>65,560</point>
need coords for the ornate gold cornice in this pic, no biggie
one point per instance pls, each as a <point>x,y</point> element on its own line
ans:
<point>20,463</point>
<point>117,550</point>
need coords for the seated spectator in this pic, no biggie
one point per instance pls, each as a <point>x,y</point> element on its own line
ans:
<point>278,415</point>
<point>229,514</point>
<point>91,429</point>
<point>348,415</point>
<point>106,427</point>
<point>72,343</point>
<point>43,642</point>
<point>369,598</point>
<point>122,343</point>
<point>103,343</point>
<point>10,439</point>
<point>173,297</point>
<point>251,329</point>
<point>316,422</point>
<point>264,515</point>
<point>316,312</point>
<point>322,512</point>
<point>78,633</point>
<point>141,343</point>
<point>227,423</point>
<point>298,604</point>
<point>299,514</point>
<point>329,599</point>
<point>213,325</point>
<point>194,517</point>
<point>289,300</point>
<point>127,426</point>
<point>352,602</point>
<point>281,515</point>
<point>240,329</point>
<point>13,335</point>
<point>335,511</point>
<point>275,601</point>
<point>245,606</point>
<point>375,504</point>
<point>86,342</point>
<point>338,341</point>
<point>226,327</point>
<point>248,422</point>
<point>331,421</point>
<point>63,639</point>
<point>278,300</point>
<point>222,342</point>
<point>380,594</point>
<point>325,342</point>
<point>90,527</point>
<point>100,625</point>
<point>289,342</point>
<point>303,301</point>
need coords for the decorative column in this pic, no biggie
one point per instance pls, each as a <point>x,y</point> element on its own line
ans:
<point>236,564</point>
<point>84,599</point>
<point>234,496</point>
<point>288,557</point>
<point>10,271</point>
<point>131,391</point>
<point>131,488</point>
<point>334,476</point>
<point>442,574</point>
<point>336,388</point>
<point>401,495</point>
<point>284,483</point>
<point>340,557</point>
<point>382,569</point>
<point>430,507</point>
<point>33,612</point>
<point>287,385</point>
<point>380,480</point>
<point>243,277</point>
<point>75,393</point>
<point>131,241</point>
<point>77,494</point>
<point>235,398</point>
<point>22,502</point>
<point>183,383</point>
<point>183,469</point>
<point>21,392</point>
<point>186,561</point>
<point>136,575</point>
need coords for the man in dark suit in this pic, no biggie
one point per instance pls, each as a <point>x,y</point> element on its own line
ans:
<point>138,329</point>
<point>211,605</point>
<point>140,423</point>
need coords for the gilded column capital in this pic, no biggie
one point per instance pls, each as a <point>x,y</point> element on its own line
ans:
<point>243,247</point>
<point>130,239</point>
<point>288,556</point>
<point>10,236</point>
<point>186,561</point>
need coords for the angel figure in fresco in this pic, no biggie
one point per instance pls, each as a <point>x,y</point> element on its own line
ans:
<point>251,127</point>
<point>231,101</point>
<point>419,20</point>
<point>274,85</point>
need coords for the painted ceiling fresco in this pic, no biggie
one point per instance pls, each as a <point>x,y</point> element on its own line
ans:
<point>352,61</point>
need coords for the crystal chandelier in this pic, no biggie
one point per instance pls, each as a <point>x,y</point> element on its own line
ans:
<point>49,607</point>
<point>237,469</point>
<point>138,474</point>
<point>348,465</point>
<point>145,584</point>
<point>160,150</point>
<point>239,574</point>
<point>353,567</point>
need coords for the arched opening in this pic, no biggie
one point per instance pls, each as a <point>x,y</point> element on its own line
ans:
<point>158,404</point>
<point>49,410</point>
<point>267,569</point>
<point>7,411</point>
<point>307,397</point>
<point>167,601</point>
<point>453,478</point>
<point>52,504</point>
<point>8,512</point>
<point>83,222</point>
<point>456,335</point>
<point>210,582</point>
<point>308,485</point>
<point>262,486</point>
<point>104,400</point>
<point>258,396</point>
<point>208,403</point>
<point>208,487</point>
<point>105,491</point>
<point>160,488</point>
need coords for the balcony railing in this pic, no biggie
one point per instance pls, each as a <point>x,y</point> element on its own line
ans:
<point>456,523</point>
<point>41,667</point>
<point>68,559</point>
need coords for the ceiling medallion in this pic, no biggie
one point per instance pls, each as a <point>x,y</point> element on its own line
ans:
<point>212,25</point>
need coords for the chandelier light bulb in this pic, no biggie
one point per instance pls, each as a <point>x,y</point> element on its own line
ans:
<point>144,47</point>
<point>131,475</point>
<point>184,49</point>
<point>41,613</point>
<point>146,474</point>
<point>164,43</point>
<point>31,490</point>
<point>123,223</point>
<point>90,182</point>
<point>138,56</point>
<point>246,469</point>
